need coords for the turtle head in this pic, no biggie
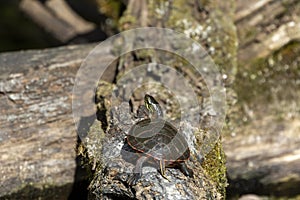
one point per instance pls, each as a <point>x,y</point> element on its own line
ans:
<point>153,107</point>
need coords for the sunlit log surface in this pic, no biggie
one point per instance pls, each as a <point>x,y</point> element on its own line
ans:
<point>37,133</point>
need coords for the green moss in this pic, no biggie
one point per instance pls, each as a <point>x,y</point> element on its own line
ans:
<point>179,18</point>
<point>145,54</point>
<point>111,9</point>
<point>223,44</point>
<point>126,22</point>
<point>247,34</point>
<point>214,164</point>
<point>278,72</point>
<point>90,148</point>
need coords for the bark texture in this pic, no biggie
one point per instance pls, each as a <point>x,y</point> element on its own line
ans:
<point>37,133</point>
<point>206,22</point>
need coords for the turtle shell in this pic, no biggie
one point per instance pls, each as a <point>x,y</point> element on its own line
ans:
<point>158,139</point>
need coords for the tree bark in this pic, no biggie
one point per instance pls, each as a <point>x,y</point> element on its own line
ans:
<point>37,133</point>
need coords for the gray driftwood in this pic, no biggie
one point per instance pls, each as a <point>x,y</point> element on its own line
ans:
<point>37,133</point>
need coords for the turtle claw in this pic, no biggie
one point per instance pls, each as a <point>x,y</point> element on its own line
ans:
<point>162,165</point>
<point>163,175</point>
<point>133,178</point>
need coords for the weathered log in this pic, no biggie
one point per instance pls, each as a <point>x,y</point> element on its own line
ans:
<point>188,17</point>
<point>263,151</point>
<point>265,161</point>
<point>37,133</point>
<point>265,26</point>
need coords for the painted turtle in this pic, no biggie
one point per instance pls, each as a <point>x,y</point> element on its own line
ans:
<point>158,139</point>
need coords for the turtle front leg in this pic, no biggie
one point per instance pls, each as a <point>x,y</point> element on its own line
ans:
<point>137,171</point>
<point>162,166</point>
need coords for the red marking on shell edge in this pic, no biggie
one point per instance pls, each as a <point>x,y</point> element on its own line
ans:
<point>154,156</point>
<point>133,131</point>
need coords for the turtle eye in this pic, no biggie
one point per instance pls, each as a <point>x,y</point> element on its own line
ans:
<point>151,100</point>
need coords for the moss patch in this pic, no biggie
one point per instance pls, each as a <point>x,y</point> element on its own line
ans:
<point>214,165</point>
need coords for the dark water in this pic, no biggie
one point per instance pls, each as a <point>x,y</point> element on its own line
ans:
<point>17,32</point>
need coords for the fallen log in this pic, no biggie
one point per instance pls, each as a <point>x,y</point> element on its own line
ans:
<point>37,133</point>
<point>265,158</point>
<point>263,149</point>
<point>200,24</point>
<point>264,27</point>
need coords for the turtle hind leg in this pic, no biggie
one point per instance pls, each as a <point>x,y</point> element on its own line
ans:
<point>185,170</point>
<point>162,166</point>
<point>137,171</point>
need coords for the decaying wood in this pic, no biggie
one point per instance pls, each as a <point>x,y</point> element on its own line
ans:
<point>266,26</point>
<point>245,9</point>
<point>263,155</point>
<point>266,160</point>
<point>37,133</point>
<point>285,34</point>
